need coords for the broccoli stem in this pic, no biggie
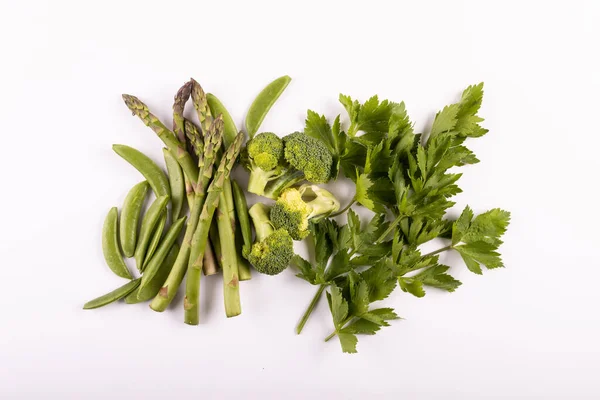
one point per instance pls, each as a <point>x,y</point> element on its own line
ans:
<point>310,309</point>
<point>258,181</point>
<point>260,217</point>
<point>286,180</point>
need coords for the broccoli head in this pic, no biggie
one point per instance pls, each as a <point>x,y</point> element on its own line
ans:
<point>308,155</point>
<point>274,249</point>
<point>296,207</point>
<point>263,158</point>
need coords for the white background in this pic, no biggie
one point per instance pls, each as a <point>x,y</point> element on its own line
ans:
<point>528,331</point>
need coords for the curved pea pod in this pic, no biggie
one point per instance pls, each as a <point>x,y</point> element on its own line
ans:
<point>263,102</point>
<point>161,253</point>
<point>130,216</point>
<point>155,240</point>
<point>152,172</point>
<point>110,245</point>
<point>152,288</point>
<point>151,219</point>
<point>113,296</point>
<point>176,182</point>
<point>229,129</point>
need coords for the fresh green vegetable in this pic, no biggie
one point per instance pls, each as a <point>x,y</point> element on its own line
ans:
<point>263,157</point>
<point>113,296</point>
<point>152,288</point>
<point>406,179</point>
<point>217,108</point>
<point>110,245</point>
<point>308,159</point>
<point>293,212</point>
<point>403,175</point>
<point>230,278</point>
<point>157,235</point>
<point>157,259</point>
<point>263,102</point>
<point>152,172</point>
<point>241,208</point>
<point>244,227</point>
<point>178,151</point>
<point>176,183</point>
<point>211,264</point>
<point>206,161</point>
<point>130,215</point>
<point>151,219</point>
<point>227,207</point>
<point>274,249</point>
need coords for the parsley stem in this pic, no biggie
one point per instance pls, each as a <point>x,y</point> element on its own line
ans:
<point>310,309</point>
<point>343,210</point>
<point>389,229</point>
<point>438,251</point>
<point>346,321</point>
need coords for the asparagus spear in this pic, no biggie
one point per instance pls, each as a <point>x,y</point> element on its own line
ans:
<point>201,105</point>
<point>229,134</point>
<point>205,165</point>
<point>180,126</point>
<point>175,147</point>
<point>230,277</point>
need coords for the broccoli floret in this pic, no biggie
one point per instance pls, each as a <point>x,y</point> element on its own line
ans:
<point>293,210</point>
<point>264,159</point>
<point>273,249</point>
<point>308,159</point>
<point>308,155</point>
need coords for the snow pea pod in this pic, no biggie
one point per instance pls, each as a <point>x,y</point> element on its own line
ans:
<point>263,102</point>
<point>229,129</point>
<point>157,234</point>
<point>152,172</point>
<point>176,182</point>
<point>155,263</point>
<point>110,245</point>
<point>151,219</point>
<point>113,296</point>
<point>130,215</point>
<point>152,288</point>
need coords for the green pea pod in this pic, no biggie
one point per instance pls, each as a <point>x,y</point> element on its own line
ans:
<point>161,253</point>
<point>113,296</point>
<point>157,234</point>
<point>176,182</point>
<point>229,129</point>
<point>241,209</point>
<point>263,102</point>
<point>130,215</point>
<point>152,288</point>
<point>110,245</point>
<point>152,172</point>
<point>151,219</point>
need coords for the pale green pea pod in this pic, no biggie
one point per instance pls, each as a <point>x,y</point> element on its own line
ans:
<point>110,245</point>
<point>130,215</point>
<point>151,219</point>
<point>176,182</point>
<point>113,296</point>
<point>263,102</point>
<point>152,288</point>
<point>161,253</point>
<point>156,237</point>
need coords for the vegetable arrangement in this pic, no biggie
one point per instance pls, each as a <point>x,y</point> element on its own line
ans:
<point>405,179</point>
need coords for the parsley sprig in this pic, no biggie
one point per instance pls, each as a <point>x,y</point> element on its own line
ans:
<point>408,180</point>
